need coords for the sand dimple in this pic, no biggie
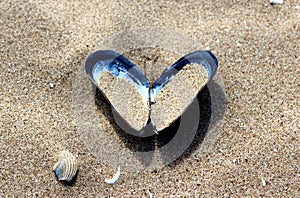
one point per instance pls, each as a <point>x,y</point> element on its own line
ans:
<point>175,97</point>
<point>152,61</point>
<point>126,99</point>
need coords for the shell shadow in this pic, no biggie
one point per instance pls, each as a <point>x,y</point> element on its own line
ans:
<point>212,104</point>
<point>133,143</point>
<point>186,133</point>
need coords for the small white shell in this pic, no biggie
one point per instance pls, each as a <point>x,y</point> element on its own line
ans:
<point>115,177</point>
<point>276,1</point>
<point>66,168</point>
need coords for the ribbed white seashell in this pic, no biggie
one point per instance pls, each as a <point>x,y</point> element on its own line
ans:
<point>67,166</point>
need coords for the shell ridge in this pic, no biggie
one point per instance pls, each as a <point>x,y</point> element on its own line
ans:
<point>66,167</point>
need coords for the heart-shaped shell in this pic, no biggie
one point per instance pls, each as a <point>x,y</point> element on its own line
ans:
<point>67,166</point>
<point>138,103</point>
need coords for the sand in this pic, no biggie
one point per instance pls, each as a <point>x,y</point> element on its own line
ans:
<point>257,152</point>
<point>172,100</point>
<point>125,99</point>
<point>152,61</point>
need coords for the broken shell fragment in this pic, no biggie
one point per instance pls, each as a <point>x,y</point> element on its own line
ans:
<point>67,166</point>
<point>115,177</point>
<point>276,2</point>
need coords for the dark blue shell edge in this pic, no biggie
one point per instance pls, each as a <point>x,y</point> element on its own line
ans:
<point>117,62</point>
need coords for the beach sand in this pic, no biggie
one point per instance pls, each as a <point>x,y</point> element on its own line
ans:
<point>173,98</point>
<point>257,152</point>
<point>120,92</point>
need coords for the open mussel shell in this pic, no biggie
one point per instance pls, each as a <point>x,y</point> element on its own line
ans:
<point>66,168</point>
<point>179,85</point>
<point>129,92</point>
<point>122,84</point>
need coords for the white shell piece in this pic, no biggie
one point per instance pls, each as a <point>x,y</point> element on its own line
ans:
<point>66,168</point>
<point>149,193</point>
<point>276,1</point>
<point>115,177</point>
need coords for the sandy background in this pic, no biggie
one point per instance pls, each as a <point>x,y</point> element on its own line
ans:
<point>257,46</point>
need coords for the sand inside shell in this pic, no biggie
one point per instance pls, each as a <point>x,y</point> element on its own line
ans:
<point>170,102</point>
<point>175,97</point>
<point>126,99</point>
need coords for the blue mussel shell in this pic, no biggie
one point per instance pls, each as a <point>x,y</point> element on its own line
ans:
<point>120,66</point>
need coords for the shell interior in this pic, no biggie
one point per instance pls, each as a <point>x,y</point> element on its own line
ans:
<point>203,62</point>
<point>118,66</point>
<point>204,58</point>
